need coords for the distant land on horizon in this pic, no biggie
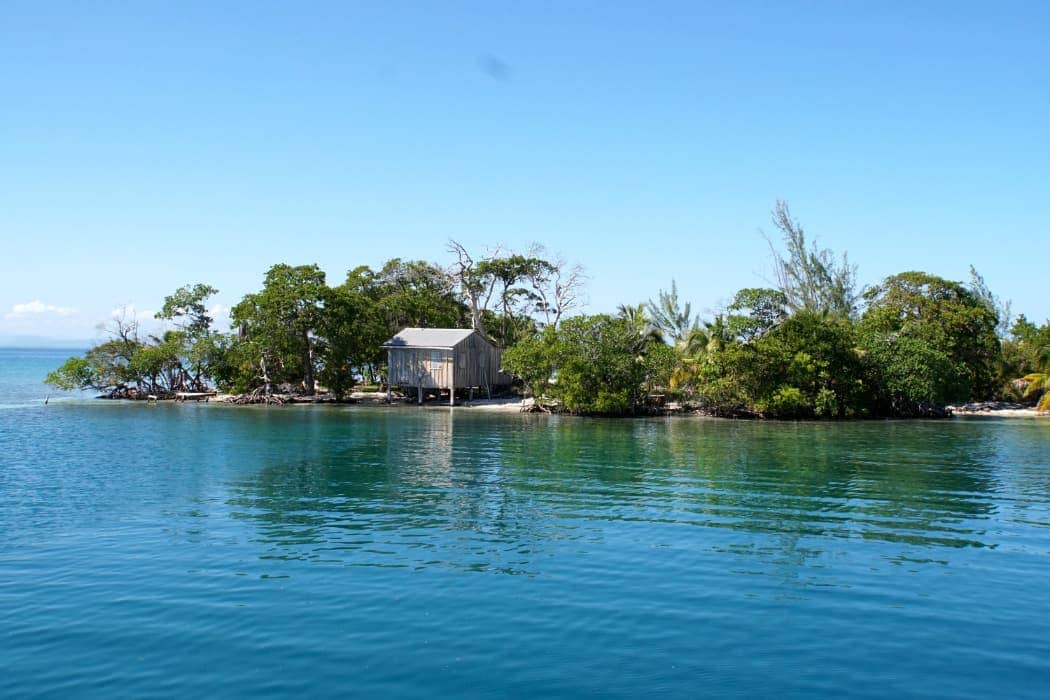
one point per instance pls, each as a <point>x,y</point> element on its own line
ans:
<point>39,342</point>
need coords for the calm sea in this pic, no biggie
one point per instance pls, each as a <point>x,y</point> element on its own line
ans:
<point>219,551</point>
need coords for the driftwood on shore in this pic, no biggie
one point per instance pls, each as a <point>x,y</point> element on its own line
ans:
<point>259,396</point>
<point>130,393</point>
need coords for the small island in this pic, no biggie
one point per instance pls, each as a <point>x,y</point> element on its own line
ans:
<point>814,345</point>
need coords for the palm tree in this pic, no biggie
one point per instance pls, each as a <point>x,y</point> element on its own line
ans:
<point>718,334</point>
<point>1039,382</point>
<point>673,320</point>
<point>639,318</point>
<point>691,350</point>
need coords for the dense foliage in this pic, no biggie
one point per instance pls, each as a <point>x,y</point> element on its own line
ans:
<point>815,346</point>
<point>591,364</point>
<point>1026,354</point>
<point>933,341</point>
<point>297,331</point>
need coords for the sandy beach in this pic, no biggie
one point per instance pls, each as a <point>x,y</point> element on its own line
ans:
<point>995,409</point>
<point>506,405</point>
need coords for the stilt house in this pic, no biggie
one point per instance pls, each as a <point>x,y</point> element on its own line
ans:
<point>443,358</point>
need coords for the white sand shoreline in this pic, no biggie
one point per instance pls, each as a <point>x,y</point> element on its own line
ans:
<point>1001,413</point>
<point>519,405</point>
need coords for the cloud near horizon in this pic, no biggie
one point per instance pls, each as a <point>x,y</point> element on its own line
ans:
<point>38,308</point>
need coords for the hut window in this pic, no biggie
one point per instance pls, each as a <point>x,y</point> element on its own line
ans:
<point>435,359</point>
<point>462,360</point>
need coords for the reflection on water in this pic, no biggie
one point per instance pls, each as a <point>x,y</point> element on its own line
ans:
<point>376,490</point>
<point>190,550</point>
<point>491,493</point>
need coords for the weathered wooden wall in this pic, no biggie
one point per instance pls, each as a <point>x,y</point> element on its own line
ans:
<point>407,364</point>
<point>472,363</point>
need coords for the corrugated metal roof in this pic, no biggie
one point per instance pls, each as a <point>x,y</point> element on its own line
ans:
<point>428,337</point>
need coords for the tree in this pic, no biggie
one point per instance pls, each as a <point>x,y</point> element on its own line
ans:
<point>809,277</point>
<point>807,367</point>
<point>189,345</point>
<point>639,319</point>
<point>417,294</point>
<point>186,307</point>
<point>472,285</point>
<point>1029,348</point>
<point>1038,385</point>
<point>503,275</point>
<point>659,361</point>
<point>279,324</point>
<point>502,288</point>
<point>351,331</point>
<point>590,364</point>
<point>674,320</point>
<point>76,373</point>
<point>109,366</point>
<point>947,319</point>
<point>557,287</point>
<point>911,376</point>
<point>979,288</point>
<point>756,311</point>
<point>598,366</point>
<point>531,360</point>
<point>340,341</point>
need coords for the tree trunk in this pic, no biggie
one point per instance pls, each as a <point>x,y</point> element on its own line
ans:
<point>308,367</point>
<point>475,315</point>
<point>265,376</point>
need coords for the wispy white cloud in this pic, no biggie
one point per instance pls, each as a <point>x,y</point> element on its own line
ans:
<point>129,312</point>
<point>38,308</point>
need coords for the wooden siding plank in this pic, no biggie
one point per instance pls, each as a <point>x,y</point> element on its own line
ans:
<point>480,365</point>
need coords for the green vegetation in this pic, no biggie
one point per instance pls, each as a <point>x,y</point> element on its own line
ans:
<point>816,345</point>
<point>932,341</point>
<point>129,365</point>
<point>1027,353</point>
<point>591,364</point>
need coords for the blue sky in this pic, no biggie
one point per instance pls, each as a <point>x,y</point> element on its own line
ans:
<point>144,146</point>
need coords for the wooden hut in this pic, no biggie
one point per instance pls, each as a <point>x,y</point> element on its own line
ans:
<point>443,358</point>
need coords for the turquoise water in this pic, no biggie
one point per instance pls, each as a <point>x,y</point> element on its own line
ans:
<point>22,373</point>
<point>187,550</point>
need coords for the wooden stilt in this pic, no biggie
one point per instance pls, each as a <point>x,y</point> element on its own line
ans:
<point>389,371</point>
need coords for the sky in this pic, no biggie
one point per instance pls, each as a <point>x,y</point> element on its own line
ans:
<point>144,146</point>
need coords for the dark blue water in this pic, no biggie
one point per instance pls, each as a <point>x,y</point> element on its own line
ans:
<point>187,550</point>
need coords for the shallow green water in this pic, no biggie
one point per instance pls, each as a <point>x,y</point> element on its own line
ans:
<point>227,551</point>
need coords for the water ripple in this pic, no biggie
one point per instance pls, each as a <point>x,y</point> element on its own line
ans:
<point>184,550</point>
